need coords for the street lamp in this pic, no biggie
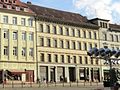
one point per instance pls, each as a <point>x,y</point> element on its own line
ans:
<point>110,56</point>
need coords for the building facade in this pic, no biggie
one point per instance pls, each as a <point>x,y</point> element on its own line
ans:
<point>17,42</point>
<point>38,43</point>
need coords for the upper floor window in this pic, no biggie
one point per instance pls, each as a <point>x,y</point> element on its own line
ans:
<point>41,27</point>
<point>48,28</point>
<point>1,5</point>
<point>90,35</point>
<point>31,36</point>
<point>67,31</point>
<point>61,30</point>
<point>56,58</point>
<point>6,34</point>
<point>111,36</point>
<point>73,45</point>
<point>42,57</point>
<point>31,52</point>
<point>61,44</point>
<point>23,36</point>
<point>23,21</point>
<point>73,32</point>
<point>68,58</point>
<point>55,43</point>
<point>95,35</point>
<point>86,60</point>
<point>30,22</point>
<point>49,57</point>
<point>23,51</point>
<point>79,45</point>
<point>5,19</point>
<point>48,42</point>
<point>41,41</point>
<point>9,6</point>
<point>105,36</point>
<point>15,20</point>
<point>17,8</point>
<point>62,58</point>
<point>5,50</point>
<point>68,44</point>
<point>90,45</point>
<point>80,59</point>
<point>84,34</point>
<point>85,46</point>
<point>14,35</point>
<point>103,24</point>
<point>26,9</point>
<point>79,33</point>
<point>15,51</point>
<point>116,38</point>
<point>74,59</point>
<point>54,30</point>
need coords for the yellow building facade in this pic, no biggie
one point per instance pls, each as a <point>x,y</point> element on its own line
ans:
<point>17,44</point>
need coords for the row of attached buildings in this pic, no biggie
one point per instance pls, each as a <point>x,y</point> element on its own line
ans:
<point>38,43</point>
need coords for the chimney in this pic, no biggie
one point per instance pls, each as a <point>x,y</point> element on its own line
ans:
<point>28,2</point>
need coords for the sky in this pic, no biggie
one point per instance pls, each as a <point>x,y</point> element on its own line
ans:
<point>104,9</point>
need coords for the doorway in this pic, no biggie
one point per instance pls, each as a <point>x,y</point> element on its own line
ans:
<point>72,74</point>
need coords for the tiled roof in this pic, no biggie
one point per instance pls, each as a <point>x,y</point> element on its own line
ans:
<point>115,27</point>
<point>61,16</point>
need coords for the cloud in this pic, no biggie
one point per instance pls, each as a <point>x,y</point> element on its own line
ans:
<point>105,9</point>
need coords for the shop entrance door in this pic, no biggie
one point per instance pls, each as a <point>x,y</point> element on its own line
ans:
<point>72,74</point>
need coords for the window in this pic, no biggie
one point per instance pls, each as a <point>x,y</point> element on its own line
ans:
<point>42,57</point>
<point>15,20</point>
<point>90,36</point>
<point>31,36</point>
<point>1,5</point>
<point>23,51</point>
<point>116,38</point>
<point>84,34</point>
<point>105,36</point>
<point>97,61</point>
<point>56,58</point>
<point>112,38</point>
<point>80,59</point>
<point>55,43</point>
<point>5,19</point>
<point>68,44</point>
<point>79,33</point>
<point>48,28</point>
<point>23,36</point>
<point>86,60</point>
<point>62,58</point>
<point>41,41</point>
<point>54,30</point>
<point>6,34</point>
<point>30,22</point>
<point>31,52</point>
<point>90,45</point>
<point>95,35</point>
<point>73,44</point>
<point>95,45</point>
<point>73,32</point>
<point>5,50</point>
<point>41,27</point>
<point>15,51</point>
<point>61,30</point>
<point>91,61</point>
<point>49,57</point>
<point>68,58</point>
<point>79,45</point>
<point>74,59</point>
<point>14,35</point>
<point>9,7</point>
<point>17,8</point>
<point>48,42</point>
<point>23,21</point>
<point>85,46</point>
<point>67,31</point>
<point>61,44</point>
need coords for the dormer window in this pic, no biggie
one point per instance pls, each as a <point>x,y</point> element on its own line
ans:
<point>26,9</point>
<point>8,6</point>
<point>1,5</point>
<point>14,2</point>
<point>17,8</point>
<point>6,1</point>
<point>103,25</point>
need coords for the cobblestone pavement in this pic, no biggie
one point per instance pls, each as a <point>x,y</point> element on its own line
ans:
<point>59,86</point>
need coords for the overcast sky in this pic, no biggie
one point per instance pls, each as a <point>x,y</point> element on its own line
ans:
<point>105,9</point>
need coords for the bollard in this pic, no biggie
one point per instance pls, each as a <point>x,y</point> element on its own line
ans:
<point>55,83</point>
<point>90,83</point>
<point>77,83</point>
<point>84,83</point>
<point>70,84</point>
<point>39,84</point>
<point>22,84</point>
<point>63,83</point>
<point>12,84</point>
<point>97,82</point>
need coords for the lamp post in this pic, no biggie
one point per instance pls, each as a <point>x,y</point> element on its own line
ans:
<point>106,54</point>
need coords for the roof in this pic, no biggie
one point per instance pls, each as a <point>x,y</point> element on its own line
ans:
<point>60,16</point>
<point>99,19</point>
<point>114,27</point>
